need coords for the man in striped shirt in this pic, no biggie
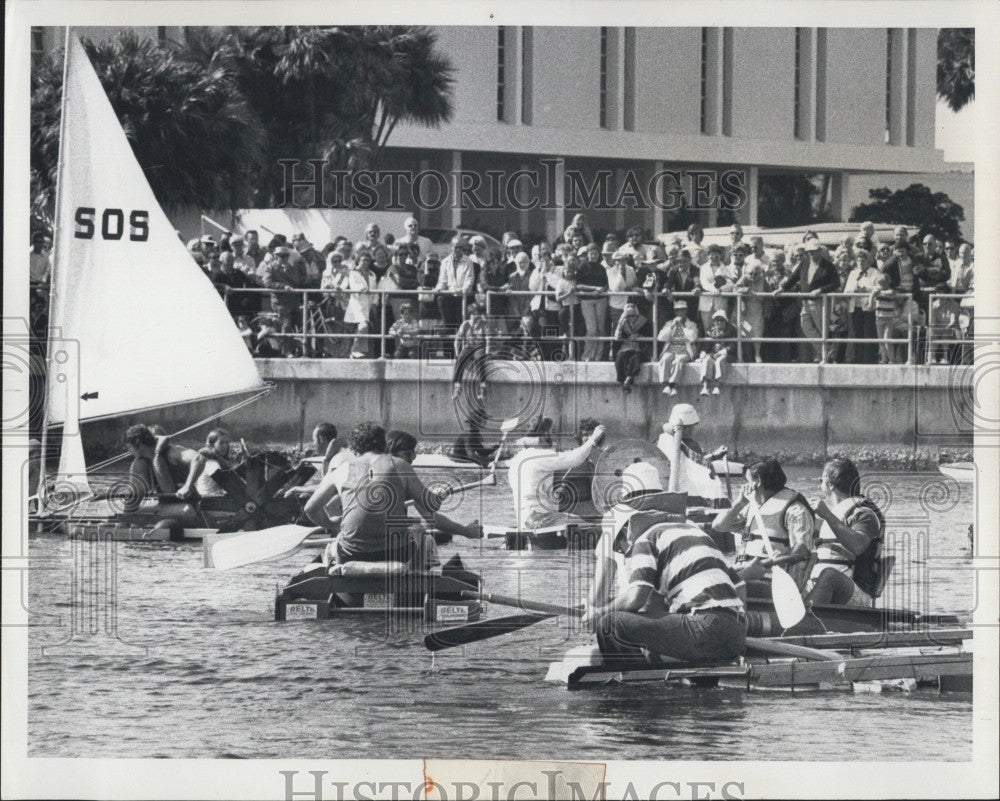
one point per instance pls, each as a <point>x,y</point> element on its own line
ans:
<point>705,617</point>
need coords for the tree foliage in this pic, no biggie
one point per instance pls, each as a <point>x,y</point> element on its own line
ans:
<point>956,66</point>
<point>210,118</point>
<point>192,132</point>
<point>933,212</point>
<point>330,93</point>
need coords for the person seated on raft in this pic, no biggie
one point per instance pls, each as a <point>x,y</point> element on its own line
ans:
<point>532,473</point>
<point>170,469</point>
<point>373,489</point>
<point>849,543</point>
<point>326,444</point>
<point>787,518</point>
<point>684,417</point>
<point>469,446</point>
<point>642,492</point>
<point>572,487</point>
<point>705,616</point>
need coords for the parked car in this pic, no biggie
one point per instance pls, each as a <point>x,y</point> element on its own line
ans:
<point>441,237</point>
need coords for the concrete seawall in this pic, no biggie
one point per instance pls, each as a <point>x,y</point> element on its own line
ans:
<point>763,408</point>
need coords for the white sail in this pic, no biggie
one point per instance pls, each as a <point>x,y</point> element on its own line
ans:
<point>151,329</point>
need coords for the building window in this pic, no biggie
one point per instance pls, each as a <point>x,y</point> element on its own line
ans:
<point>629,76</point>
<point>527,59</point>
<point>704,80</point>
<point>501,84</point>
<point>604,77</point>
<point>821,84</point>
<point>888,81</point>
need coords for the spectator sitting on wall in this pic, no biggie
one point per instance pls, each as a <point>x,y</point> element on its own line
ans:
<point>406,333</point>
<point>524,343</point>
<point>714,357</point>
<point>630,348</point>
<point>470,352</point>
<point>680,335</point>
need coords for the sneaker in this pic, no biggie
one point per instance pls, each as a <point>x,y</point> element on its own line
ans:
<point>704,391</point>
<point>666,390</point>
<point>673,390</point>
<point>356,354</point>
<point>628,383</point>
<point>758,360</point>
<point>715,391</point>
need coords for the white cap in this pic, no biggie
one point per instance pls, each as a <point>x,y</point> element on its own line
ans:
<point>514,243</point>
<point>640,476</point>
<point>813,245</point>
<point>683,414</point>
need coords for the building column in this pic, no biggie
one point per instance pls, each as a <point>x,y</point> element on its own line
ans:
<point>839,193</point>
<point>422,215</point>
<point>524,223</point>
<point>555,219</point>
<point>454,218</point>
<point>653,215</point>
<point>747,215</point>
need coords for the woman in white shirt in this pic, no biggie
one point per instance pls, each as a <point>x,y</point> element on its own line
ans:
<point>361,283</point>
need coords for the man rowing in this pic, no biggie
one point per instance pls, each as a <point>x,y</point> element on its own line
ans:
<point>156,463</point>
<point>849,544</point>
<point>675,561</point>
<point>373,489</point>
<point>531,475</point>
<point>573,488</point>
<point>787,521</point>
<point>684,418</point>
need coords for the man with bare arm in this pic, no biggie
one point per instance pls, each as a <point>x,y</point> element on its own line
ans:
<point>156,464</point>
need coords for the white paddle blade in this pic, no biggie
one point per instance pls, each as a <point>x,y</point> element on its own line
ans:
<point>259,546</point>
<point>509,425</point>
<point>787,598</point>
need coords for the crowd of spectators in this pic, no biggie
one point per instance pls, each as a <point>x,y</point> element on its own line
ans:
<point>580,298</point>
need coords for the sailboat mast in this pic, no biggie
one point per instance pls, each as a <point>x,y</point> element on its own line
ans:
<point>52,274</point>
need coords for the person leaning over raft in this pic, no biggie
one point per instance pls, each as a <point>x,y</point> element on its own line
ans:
<point>787,518</point>
<point>531,474</point>
<point>373,489</point>
<point>706,617</point>
<point>158,464</point>
<point>850,540</point>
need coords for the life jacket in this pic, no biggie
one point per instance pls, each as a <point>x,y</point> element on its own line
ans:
<point>867,565</point>
<point>772,514</point>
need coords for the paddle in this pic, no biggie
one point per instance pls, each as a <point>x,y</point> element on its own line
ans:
<point>270,543</point>
<point>505,428</point>
<point>725,466</point>
<point>784,591</point>
<point>462,635</point>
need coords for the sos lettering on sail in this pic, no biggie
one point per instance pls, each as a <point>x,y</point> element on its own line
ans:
<point>111,224</point>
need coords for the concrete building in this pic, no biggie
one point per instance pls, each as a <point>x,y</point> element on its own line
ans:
<point>572,104</point>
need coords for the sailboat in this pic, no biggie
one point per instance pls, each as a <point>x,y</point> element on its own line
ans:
<point>135,325</point>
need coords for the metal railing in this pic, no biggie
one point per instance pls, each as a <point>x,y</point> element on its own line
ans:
<point>312,326</point>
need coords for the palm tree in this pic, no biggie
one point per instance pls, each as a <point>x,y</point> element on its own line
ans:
<point>191,130</point>
<point>956,66</point>
<point>333,93</point>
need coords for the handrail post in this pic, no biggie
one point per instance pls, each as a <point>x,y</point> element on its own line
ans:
<point>739,329</point>
<point>910,355</point>
<point>656,330</point>
<point>305,320</point>
<point>489,297</point>
<point>929,341</point>
<point>383,302</point>
<point>824,327</point>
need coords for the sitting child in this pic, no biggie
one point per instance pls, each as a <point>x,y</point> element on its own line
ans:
<point>406,332</point>
<point>720,337</point>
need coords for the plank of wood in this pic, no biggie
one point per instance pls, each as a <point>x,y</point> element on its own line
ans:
<point>880,639</point>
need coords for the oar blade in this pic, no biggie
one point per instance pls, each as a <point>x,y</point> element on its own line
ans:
<point>259,546</point>
<point>483,630</point>
<point>786,597</point>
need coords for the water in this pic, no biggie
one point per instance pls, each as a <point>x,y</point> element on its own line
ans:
<point>203,671</point>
